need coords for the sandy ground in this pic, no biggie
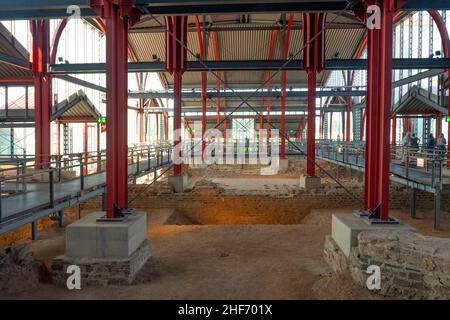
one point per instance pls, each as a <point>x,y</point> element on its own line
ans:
<point>218,262</point>
<point>229,261</point>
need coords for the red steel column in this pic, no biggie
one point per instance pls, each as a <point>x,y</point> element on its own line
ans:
<point>99,132</point>
<point>331,126</point>
<point>42,90</point>
<point>378,111</point>
<point>283,88</point>
<point>176,42</point>
<point>311,150</point>
<point>313,62</point>
<point>218,83</point>
<point>347,120</point>
<point>141,123</point>
<point>271,48</point>
<point>157,127</point>
<point>204,80</point>
<point>117,17</point>
<point>177,83</point>
<point>373,64</point>
<point>448,123</point>
<point>438,126</point>
<point>386,47</point>
<point>58,138</point>
<point>394,131</point>
<point>85,146</point>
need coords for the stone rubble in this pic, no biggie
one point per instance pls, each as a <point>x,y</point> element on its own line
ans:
<point>412,266</point>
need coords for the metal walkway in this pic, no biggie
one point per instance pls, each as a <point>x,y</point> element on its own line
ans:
<point>29,201</point>
<point>424,170</point>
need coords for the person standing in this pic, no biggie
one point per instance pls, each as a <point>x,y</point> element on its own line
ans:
<point>414,142</point>
<point>431,143</point>
<point>441,143</point>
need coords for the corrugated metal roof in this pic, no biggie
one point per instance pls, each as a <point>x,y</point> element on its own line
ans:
<point>247,41</point>
<point>10,46</point>
<point>418,101</point>
<point>8,71</point>
<point>77,106</point>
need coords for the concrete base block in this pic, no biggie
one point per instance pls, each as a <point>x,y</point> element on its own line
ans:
<point>345,228</point>
<point>308,183</point>
<point>179,183</point>
<point>284,164</point>
<point>108,252</point>
<point>87,238</point>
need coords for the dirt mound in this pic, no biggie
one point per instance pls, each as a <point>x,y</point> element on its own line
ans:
<point>177,218</point>
<point>19,271</point>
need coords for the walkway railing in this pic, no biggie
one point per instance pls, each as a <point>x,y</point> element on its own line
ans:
<point>27,190</point>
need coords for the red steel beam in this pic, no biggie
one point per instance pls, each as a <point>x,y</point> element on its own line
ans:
<point>40,30</point>
<point>271,49</point>
<point>283,87</point>
<point>56,37</point>
<point>313,62</point>
<point>85,146</point>
<point>385,91</point>
<point>204,75</point>
<point>176,43</point>
<point>274,117</point>
<point>218,85</point>
<point>58,138</point>
<point>117,17</point>
<point>157,126</point>
<point>378,111</point>
<point>394,131</point>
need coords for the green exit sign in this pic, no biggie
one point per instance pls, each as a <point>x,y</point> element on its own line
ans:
<point>101,119</point>
<point>447,119</point>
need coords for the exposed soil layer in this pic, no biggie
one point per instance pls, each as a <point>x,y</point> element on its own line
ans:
<point>216,262</point>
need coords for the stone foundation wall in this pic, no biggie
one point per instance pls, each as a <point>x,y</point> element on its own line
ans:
<point>214,206</point>
<point>24,233</point>
<point>412,266</point>
<point>102,271</point>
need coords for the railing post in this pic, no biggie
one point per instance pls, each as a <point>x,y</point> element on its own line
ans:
<point>148,159</point>
<point>407,166</point>
<point>99,162</point>
<point>60,218</point>
<point>24,179</point>
<point>81,174</point>
<point>437,176</point>
<point>137,165</point>
<point>34,230</point>
<point>59,168</point>
<point>51,187</point>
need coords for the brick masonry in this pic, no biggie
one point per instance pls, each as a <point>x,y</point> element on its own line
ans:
<point>102,271</point>
<point>211,205</point>
<point>412,266</point>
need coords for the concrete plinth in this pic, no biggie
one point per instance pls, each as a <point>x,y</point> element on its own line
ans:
<point>308,183</point>
<point>284,164</point>
<point>106,252</point>
<point>345,228</point>
<point>179,183</point>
